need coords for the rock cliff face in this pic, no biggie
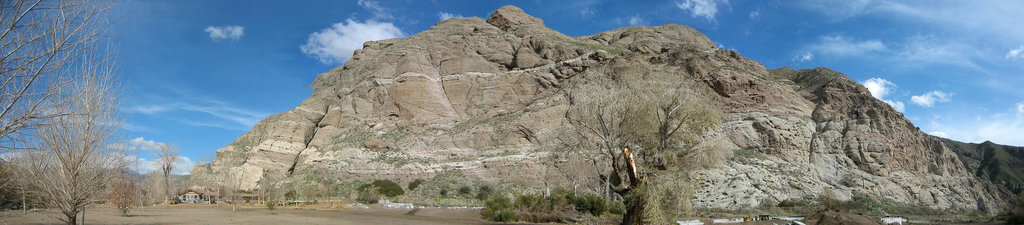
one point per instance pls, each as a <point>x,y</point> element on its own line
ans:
<point>481,96</point>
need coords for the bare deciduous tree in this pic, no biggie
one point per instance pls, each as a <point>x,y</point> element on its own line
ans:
<point>41,43</point>
<point>234,184</point>
<point>168,155</point>
<point>75,163</point>
<point>122,191</point>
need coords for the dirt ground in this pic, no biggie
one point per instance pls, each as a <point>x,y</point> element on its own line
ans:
<point>224,215</point>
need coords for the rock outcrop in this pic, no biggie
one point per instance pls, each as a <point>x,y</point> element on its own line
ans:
<point>479,96</point>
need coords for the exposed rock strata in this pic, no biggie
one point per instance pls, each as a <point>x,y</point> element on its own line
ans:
<point>478,96</point>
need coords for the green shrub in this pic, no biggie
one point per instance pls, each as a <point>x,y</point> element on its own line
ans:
<point>368,196</point>
<point>504,216</point>
<point>415,184</point>
<point>485,192</point>
<point>494,207</point>
<point>443,192</point>
<point>383,187</point>
<point>465,190</point>
<point>559,207</point>
<point>616,208</point>
<point>591,204</point>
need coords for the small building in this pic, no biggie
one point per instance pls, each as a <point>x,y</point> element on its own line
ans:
<point>191,196</point>
<point>689,222</point>
<point>893,220</point>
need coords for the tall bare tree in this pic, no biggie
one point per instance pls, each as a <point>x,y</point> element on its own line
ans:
<point>168,155</point>
<point>41,43</point>
<point>75,161</point>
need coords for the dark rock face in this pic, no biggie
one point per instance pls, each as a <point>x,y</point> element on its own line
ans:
<point>481,95</point>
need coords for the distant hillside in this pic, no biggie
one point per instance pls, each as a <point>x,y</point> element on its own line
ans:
<point>1001,164</point>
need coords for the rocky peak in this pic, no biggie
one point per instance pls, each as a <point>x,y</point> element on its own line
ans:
<point>511,18</point>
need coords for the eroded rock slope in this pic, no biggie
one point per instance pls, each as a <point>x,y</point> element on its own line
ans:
<point>480,96</point>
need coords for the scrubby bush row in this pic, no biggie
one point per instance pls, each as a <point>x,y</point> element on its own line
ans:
<point>559,207</point>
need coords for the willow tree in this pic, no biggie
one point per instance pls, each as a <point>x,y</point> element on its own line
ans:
<point>661,125</point>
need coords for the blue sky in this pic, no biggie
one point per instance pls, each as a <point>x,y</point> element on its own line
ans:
<point>201,73</point>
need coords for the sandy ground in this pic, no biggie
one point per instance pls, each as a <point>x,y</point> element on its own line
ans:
<point>224,215</point>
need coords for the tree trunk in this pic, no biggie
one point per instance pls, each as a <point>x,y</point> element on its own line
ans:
<point>634,210</point>
<point>634,203</point>
<point>73,219</point>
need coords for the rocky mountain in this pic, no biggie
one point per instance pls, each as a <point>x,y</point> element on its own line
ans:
<point>482,96</point>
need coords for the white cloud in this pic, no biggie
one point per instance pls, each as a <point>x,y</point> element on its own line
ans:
<point>586,13</point>
<point>807,56</point>
<point>235,118</point>
<point>844,46</point>
<point>335,44</point>
<point>147,109</point>
<point>225,32</point>
<point>182,165</point>
<point>929,99</point>
<point>920,50</point>
<point>897,105</point>
<point>1000,127</point>
<point>141,155</point>
<point>1015,53</point>
<point>837,9</point>
<point>445,16</point>
<point>144,144</point>
<point>880,88</point>
<point>379,12</point>
<point>939,134</point>
<point>637,21</point>
<point>700,8</point>
<point>755,14</point>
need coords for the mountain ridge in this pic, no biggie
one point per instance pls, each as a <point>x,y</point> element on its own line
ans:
<point>483,96</point>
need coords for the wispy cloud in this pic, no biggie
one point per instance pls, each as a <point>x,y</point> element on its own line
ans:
<point>807,56</point>
<point>837,9</point>
<point>701,8</point>
<point>844,46</point>
<point>336,44</point>
<point>939,134</point>
<point>929,99</point>
<point>928,49</point>
<point>586,13</point>
<point>445,16</point>
<point>1003,127</point>
<point>379,12</point>
<point>636,20</point>
<point>880,88</point>
<point>1015,53</point>
<point>225,32</point>
<point>189,108</point>
<point>227,116</point>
